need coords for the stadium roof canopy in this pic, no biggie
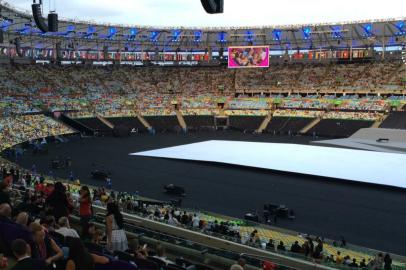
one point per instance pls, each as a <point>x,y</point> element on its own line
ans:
<point>91,35</point>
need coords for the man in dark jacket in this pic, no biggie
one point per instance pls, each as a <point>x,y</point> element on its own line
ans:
<point>22,251</point>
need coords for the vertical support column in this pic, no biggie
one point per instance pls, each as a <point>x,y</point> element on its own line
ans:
<point>352,38</point>
<point>383,48</point>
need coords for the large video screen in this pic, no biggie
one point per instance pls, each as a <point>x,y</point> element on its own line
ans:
<point>248,57</point>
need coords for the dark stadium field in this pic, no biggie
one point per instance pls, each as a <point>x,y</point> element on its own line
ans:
<point>365,215</point>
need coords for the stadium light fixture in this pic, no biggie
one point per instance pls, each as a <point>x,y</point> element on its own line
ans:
<point>5,24</point>
<point>277,34</point>
<point>367,30</point>
<point>70,28</point>
<point>154,36</point>
<point>249,36</point>
<point>24,30</point>
<point>176,35</point>
<point>307,31</point>
<point>112,32</point>
<point>222,37</point>
<point>401,28</point>
<point>198,36</point>
<point>132,34</point>
<point>90,31</point>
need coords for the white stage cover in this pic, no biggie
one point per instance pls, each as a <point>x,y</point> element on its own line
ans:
<point>356,165</point>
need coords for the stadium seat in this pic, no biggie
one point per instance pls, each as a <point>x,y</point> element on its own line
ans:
<point>117,265</point>
<point>173,267</point>
<point>146,264</point>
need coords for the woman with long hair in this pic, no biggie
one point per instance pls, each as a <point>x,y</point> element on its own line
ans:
<point>47,249</point>
<point>116,237</point>
<point>58,202</point>
<point>79,258</point>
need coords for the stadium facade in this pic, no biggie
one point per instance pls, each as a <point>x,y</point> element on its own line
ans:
<point>89,41</point>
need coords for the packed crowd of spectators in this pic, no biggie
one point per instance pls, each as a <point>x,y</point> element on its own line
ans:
<point>297,113</point>
<point>359,76</point>
<point>246,112</point>
<point>248,103</point>
<point>367,116</point>
<point>304,103</point>
<point>363,105</point>
<point>17,129</point>
<point>202,111</point>
<point>114,92</point>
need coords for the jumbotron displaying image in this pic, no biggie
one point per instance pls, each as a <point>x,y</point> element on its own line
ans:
<point>202,135</point>
<point>249,57</point>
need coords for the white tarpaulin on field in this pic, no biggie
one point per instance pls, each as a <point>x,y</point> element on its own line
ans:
<point>356,165</point>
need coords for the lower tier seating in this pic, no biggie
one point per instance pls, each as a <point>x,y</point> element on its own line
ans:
<point>395,120</point>
<point>128,123</point>
<point>246,123</point>
<point>163,123</point>
<point>199,121</point>
<point>338,127</point>
<point>282,125</point>
<point>93,123</point>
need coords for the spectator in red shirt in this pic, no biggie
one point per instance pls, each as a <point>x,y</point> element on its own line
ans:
<point>85,205</point>
<point>267,265</point>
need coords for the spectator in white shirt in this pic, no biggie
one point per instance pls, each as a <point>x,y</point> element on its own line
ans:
<point>195,221</point>
<point>65,229</point>
<point>172,220</point>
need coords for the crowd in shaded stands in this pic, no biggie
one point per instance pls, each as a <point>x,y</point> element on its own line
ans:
<point>18,129</point>
<point>40,223</point>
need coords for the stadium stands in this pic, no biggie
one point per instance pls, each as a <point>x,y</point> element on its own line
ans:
<point>339,117</point>
<point>338,127</point>
<point>163,123</point>
<point>18,129</point>
<point>313,90</point>
<point>395,120</point>
<point>196,122</point>
<point>246,123</point>
<point>128,123</point>
<point>70,90</point>
<point>95,124</point>
<point>287,125</point>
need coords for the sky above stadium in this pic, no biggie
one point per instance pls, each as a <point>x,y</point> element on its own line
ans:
<point>237,12</point>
